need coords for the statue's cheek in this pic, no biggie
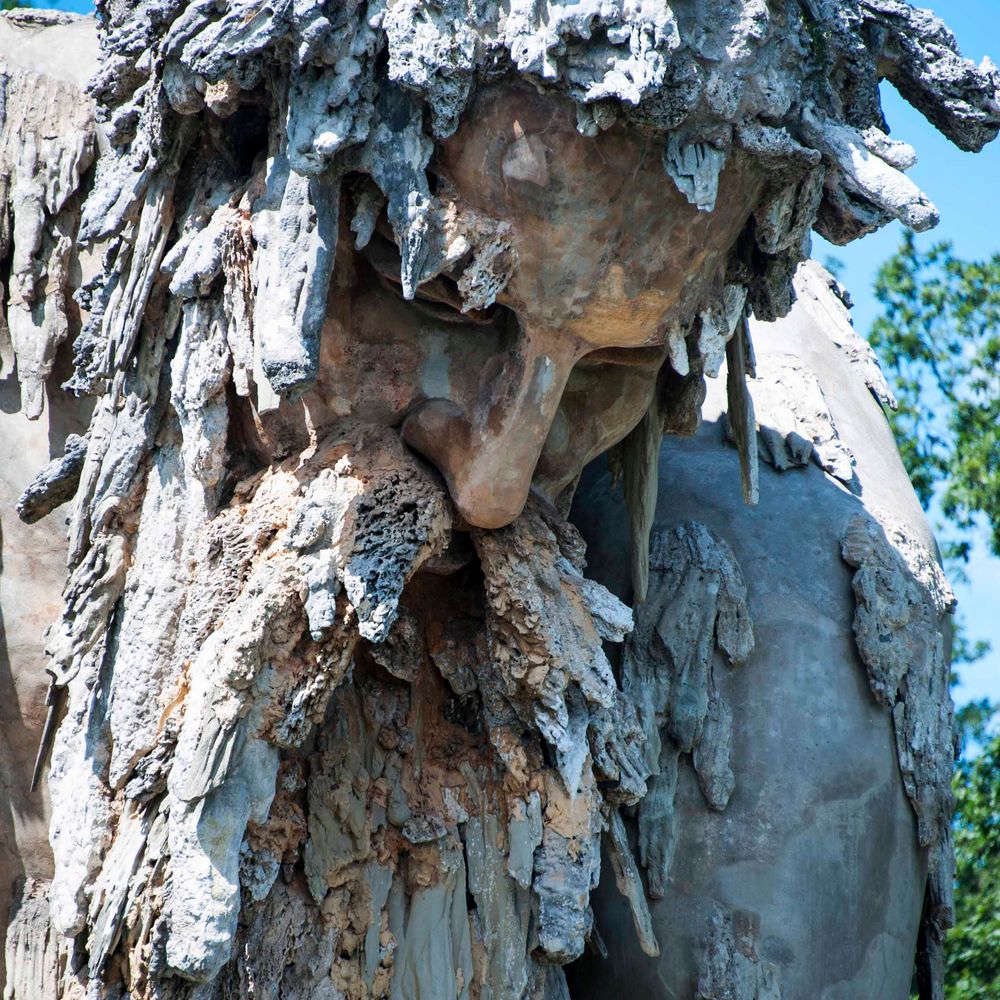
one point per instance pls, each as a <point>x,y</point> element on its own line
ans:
<point>599,407</point>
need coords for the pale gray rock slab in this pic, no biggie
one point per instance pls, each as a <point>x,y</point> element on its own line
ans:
<point>202,905</point>
<point>152,605</point>
<point>35,955</point>
<point>108,339</point>
<point>113,886</point>
<point>195,262</point>
<point>717,326</point>
<point>503,910</point>
<point>567,867</point>
<point>868,189</point>
<point>813,285</point>
<point>56,43</point>
<point>81,827</point>
<point>295,225</point>
<point>694,167</point>
<point>629,882</point>
<point>434,944</point>
<point>524,832</point>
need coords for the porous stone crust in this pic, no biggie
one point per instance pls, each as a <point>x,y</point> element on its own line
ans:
<point>694,619</point>
<point>903,601</point>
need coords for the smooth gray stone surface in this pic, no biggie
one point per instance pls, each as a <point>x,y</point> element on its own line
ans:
<point>816,854</point>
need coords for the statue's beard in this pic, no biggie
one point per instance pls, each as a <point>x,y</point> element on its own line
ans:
<point>357,681</point>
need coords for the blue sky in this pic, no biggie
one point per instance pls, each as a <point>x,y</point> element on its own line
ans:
<point>966,189</point>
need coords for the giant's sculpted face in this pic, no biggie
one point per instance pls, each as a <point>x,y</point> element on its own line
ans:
<point>565,362</point>
<point>325,726</point>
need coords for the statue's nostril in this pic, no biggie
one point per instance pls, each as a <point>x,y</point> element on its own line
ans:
<point>438,430</point>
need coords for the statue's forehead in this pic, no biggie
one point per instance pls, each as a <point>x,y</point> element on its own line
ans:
<point>517,138</point>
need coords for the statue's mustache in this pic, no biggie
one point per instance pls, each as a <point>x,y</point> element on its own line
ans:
<point>314,556</point>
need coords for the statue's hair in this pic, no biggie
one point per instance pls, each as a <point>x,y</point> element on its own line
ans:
<point>371,87</point>
<point>191,98</point>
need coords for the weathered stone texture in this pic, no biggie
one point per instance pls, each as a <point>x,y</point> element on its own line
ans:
<point>333,722</point>
<point>46,140</point>
<point>697,602</point>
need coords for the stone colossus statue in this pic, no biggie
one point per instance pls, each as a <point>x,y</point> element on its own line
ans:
<point>354,292</point>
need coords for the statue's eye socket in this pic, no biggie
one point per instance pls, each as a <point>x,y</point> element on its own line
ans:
<point>629,357</point>
<point>438,297</point>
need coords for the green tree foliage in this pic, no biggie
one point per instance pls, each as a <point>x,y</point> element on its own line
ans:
<point>972,948</point>
<point>973,944</point>
<point>939,341</point>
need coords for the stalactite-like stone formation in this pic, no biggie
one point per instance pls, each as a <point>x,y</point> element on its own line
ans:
<point>183,790</point>
<point>695,620</point>
<point>46,146</point>
<point>369,88</point>
<point>902,600</point>
<point>317,738</point>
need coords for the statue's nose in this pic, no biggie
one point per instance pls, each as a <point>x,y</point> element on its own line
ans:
<point>487,452</point>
